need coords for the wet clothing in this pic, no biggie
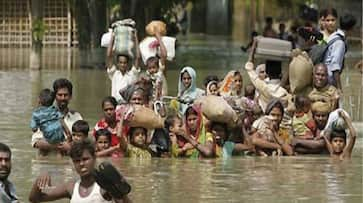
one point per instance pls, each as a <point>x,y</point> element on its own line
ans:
<point>303,126</point>
<point>70,118</point>
<point>136,152</point>
<point>120,81</point>
<point>225,151</point>
<point>47,119</point>
<point>7,192</point>
<point>94,196</point>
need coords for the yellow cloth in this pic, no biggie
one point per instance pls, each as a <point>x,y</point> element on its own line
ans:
<point>136,152</point>
<point>321,107</point>
<point>298,124</point>
<point>328,94</point>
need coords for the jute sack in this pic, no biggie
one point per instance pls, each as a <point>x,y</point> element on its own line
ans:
<point>300,71</point>
<point>141,116</point>
<point>155,25</point>
<point>216,109</point>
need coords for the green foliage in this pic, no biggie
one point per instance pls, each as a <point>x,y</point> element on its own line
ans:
<point>38,30</point>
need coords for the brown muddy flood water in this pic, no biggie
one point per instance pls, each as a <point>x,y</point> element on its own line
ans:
<point>241,179</point>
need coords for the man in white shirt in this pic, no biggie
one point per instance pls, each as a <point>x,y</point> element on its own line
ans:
<point>119,73</point>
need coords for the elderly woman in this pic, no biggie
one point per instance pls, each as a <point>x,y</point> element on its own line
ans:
<point>267,136</point>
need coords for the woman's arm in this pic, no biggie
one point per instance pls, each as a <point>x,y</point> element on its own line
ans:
<point>108,151</point>
<point>163,52</point>
<point>121,137</point>
<point>206,150</point>
<point>137,50</point>
<point>109,61</point>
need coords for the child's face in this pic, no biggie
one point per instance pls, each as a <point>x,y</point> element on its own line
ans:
<point>307,107</point>
<point>122,63</point>
<point>102,143</point>
<point>78,136</point>
<point>276,116</point>
<point>192,120</point>
<point>139,137</point>
<point>213,89</point>
<point>177,126</point>
<point>186,79</point>
<point>152,67</point>
<point>338,144</point>
<point>237,82</point>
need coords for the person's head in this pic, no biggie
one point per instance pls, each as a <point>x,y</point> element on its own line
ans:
<point>250,91</point>
<point>193,118</point>
<point>320,112</point>
<point>103,139</point>
<point>209,79</point>
<point>330,18</point>
<point>173,124</point>
<point>338,140</point>
<point>5,161</point>
<point>80,130</point>
<point>268,21</point>
<point>282,27</point>
<point>137,96</point>
<point>212,88</point>
<point>186,79</point>
<point>273,69</point>
<point>152,65</point>
<point>83,157</point>
<point>138,136</point>
<point>302,104</point>
<point>46,97</point>
<point>320,77</point>
<point>237,81</point>
<point>62,89</point>
<point>122,62</point>
<point>261,71</point>
<point>220,132</point>
<point>109,106</point>
<point>347,22</point>
<point>275,111</point>
<point>322,19</point>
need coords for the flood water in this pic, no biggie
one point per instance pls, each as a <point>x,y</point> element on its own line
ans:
<point>241,179</point>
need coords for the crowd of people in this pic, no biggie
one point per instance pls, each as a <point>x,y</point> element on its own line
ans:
<point>271,120</point>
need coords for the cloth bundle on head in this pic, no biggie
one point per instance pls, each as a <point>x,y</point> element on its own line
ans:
<point>226,88</point>
<point>320,106</point>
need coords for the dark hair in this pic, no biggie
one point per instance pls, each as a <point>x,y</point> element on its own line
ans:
<point>249,87</point>
<point>5,148</point>
<point>62,83</point>
<point>78,148</point>
<point>152,59</point>
<point>103,132</point>
<point>274,103</point>
<point>301,101</point>
<point>190,110</point>
<point>268,19</point>
<point>110,99</point>
<point>46,97</point>
<point>347,21</point>
<point>210,78</point>
<point>80,126</point>
<point>169,121</point>
<point>224,126</point>
<point>322,12</point>
<point>330,11</point>
<point>133,129</point>
<point>338,133</point>
<point>123,55</point>
<point>273,69</point>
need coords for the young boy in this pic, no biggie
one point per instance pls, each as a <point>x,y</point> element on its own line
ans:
<point>337,144</point>
<point>174,126</point>
<point>303,125</point>
<point>80,131</point>
<point>48,119</point>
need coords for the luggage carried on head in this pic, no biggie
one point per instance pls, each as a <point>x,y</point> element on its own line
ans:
<point>300,71</point>
<point>124,31</point>
<point>156,26</point>
<point>149,47</point>
<point>140,116</point>
<point>273,49</point>
<point>216,109</point>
